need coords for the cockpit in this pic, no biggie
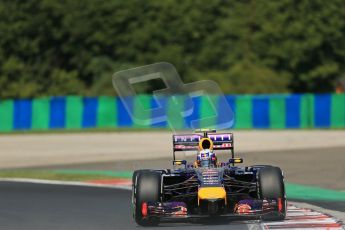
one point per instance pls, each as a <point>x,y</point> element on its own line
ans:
<point>206,159</point>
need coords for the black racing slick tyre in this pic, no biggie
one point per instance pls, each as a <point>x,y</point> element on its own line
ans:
<point>136,173</point>
<point>134,182</point>
<point>271,186</point>
<point>147,188</point>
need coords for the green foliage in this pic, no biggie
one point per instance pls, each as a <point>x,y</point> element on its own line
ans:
<point>246,77</point>
<point>50,47</point>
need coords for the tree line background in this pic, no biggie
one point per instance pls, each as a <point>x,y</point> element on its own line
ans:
<point>60,47</point>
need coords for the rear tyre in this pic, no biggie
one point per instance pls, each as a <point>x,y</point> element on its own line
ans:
<point>271,186</point>
<point>147,188</point>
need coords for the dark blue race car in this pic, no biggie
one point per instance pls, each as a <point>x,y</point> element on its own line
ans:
<point>208,188</point>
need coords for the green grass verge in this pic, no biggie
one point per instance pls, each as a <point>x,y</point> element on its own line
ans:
<point>111,174</point>
<point>64,175</point>
<point>303,192</point>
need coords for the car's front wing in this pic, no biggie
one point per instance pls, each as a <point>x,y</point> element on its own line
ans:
<point>244,209</point>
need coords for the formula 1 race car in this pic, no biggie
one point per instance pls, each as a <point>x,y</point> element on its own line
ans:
<point>206,187</point>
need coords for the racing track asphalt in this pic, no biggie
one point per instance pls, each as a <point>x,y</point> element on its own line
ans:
<point>63,207</point>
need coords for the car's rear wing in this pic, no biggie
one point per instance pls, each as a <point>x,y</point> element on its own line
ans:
<point>190,142</point>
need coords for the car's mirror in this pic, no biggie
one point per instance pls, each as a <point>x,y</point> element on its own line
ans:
<point>236,160</point>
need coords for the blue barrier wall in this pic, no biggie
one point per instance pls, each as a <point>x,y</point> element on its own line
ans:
<point>250,111</point>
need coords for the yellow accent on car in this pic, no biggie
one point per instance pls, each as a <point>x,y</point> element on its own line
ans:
<point>207,193</point>
<point>238,160</point>
<point>196,165</point>
<point>205,131</point>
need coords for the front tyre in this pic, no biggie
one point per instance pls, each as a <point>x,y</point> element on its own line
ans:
<point>271,186</point>
<point>147,188</point>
